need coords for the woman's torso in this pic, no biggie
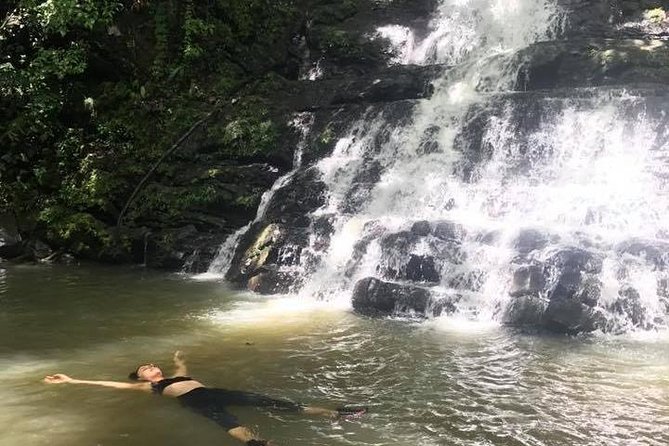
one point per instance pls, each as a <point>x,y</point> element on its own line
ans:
<point>176,387</point>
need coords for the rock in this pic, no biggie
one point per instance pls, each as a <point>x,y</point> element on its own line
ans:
<point>444,306</point>
<point>267,246</point>
<point>422,269</point>
<point>398,243</point>
<point>528,280</point>
<point>575,259</point>
<point>447,252</point>
<point>629,306</point>
<point>38,249</point>
<point>291,204</point>
<point>371,231</point>
<point>270,281</point>
<point>363,183</point>
<point>421,228</point>
<point>448,231</point>
<point>592,63</point>
<point>572,302</point>
<point>525,311</point>
<point>571,317</point>
<point>323,229</point>
<point>184,248</point>
<point>560,295</point>
<point>10,239</point>
<point>373,297</point>
<point>383,85</point>
<point>529,240</point>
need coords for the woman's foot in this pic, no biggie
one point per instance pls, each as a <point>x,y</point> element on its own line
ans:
<point>350,412</point>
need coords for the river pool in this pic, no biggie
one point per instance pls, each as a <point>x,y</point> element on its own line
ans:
<point>443,382</point>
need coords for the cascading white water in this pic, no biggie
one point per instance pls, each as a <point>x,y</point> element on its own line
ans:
<point>473,34</point>
<point>588,171</point>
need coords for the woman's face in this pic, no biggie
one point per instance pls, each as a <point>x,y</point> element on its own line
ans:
<point>149,372</point>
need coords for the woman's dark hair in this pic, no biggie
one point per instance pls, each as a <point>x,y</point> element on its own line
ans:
<point>134,376</point>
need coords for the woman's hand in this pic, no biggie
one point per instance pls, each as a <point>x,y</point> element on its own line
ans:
<point>180,364</point>
<point>178,357</point>
<point>58,378</point>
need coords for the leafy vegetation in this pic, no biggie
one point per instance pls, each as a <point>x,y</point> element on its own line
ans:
<point>93,91</point>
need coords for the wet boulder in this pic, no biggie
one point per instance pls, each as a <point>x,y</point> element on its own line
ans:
<point>398,242</point>
<point>529,240</point>
<point>272,281</point>
<point>264,246</point>
<point>628,306</point>
<point>528,280</point>
<point>374,297</point>
<point>419,268</point>
<point>525,311</point>
<point>560,295</point>
<point>444,306</point>
<point>448,231</point>
<point>575,259</point>
<point>572,305</point>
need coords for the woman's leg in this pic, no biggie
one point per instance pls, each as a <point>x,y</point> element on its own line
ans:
<point>240,398</point>
<point>245,435</point>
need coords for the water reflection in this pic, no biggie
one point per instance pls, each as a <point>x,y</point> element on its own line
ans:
<point>3,280</point>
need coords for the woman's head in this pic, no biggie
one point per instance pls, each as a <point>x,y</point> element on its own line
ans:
<point>146,372</point>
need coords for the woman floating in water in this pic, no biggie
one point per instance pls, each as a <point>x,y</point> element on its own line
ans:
<point>207,401</point>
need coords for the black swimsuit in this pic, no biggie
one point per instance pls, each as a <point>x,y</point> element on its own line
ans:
<point>159,387</point>
<point>212,403</point>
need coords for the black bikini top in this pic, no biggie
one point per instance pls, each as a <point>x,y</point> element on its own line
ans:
<point>160,386</point>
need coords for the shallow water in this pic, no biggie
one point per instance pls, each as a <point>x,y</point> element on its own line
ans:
<point>445,382</point>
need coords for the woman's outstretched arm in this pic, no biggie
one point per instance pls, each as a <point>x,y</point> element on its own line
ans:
<point>60,378</point>
<point>180,364</point>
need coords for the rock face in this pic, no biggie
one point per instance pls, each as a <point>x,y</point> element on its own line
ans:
<point>373,297</point>
<point>592,63</point>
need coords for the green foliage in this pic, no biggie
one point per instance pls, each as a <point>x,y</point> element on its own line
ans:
<point>656,15</point>
<point>84,112</point>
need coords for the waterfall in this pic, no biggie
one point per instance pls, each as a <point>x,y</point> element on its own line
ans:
<point>479,37</point>
<point>540,208</point>
<point>585,173</point>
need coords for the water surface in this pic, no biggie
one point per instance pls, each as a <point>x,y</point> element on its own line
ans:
<point>445,382</point>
